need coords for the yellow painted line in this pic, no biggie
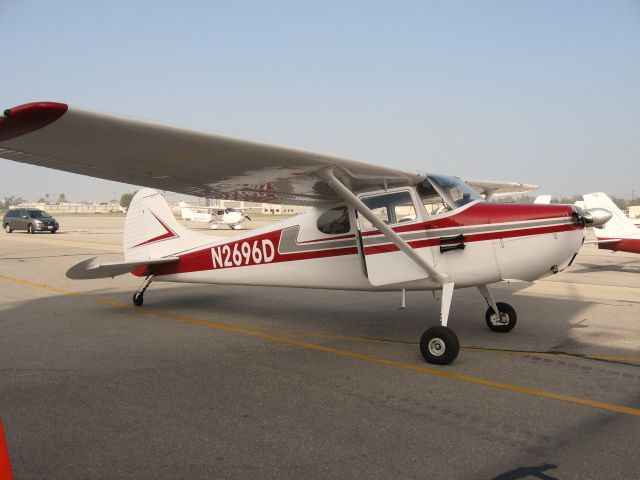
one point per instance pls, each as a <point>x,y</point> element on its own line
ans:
<point>19,252</point>
<point>441,373</point>
<point>346,338</point>
<point>328,336</point>
<point>581,291</point>
<point>61,242</point>
<point>615,358</point>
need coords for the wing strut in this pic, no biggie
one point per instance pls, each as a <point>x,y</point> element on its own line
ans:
<point>349,197</point>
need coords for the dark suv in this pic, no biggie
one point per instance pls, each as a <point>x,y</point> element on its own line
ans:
<point>29,219</point>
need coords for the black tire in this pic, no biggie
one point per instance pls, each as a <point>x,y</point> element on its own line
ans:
<point>138,299</point>
<point>439,345</point>
<point>505,309</point>
<point>7,228</point>
<point>30,229</point>
<point>53,231</point>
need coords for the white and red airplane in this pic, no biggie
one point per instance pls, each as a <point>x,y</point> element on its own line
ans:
<point>371,228</point>
<point>619,234</point>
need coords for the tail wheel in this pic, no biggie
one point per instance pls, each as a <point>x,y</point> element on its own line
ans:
<point>138,299</point>
<point>7,228</point>
<point>505,321</point>
<point>29,228</point>
<point>439,345</point>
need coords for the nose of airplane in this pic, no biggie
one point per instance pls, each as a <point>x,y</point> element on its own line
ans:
<point>596,217</point>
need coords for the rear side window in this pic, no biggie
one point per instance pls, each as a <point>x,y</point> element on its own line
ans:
<point>334,221</point>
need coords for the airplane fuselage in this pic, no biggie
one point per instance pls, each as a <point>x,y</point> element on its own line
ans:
<point>479,243</point>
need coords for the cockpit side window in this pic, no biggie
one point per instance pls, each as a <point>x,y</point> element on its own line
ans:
<point>391,208</point>
<point>431,199</point>
<point>440,193</point>
<point>334,221</point>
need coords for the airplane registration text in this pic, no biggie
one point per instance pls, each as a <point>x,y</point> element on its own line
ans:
<point>243,253</point>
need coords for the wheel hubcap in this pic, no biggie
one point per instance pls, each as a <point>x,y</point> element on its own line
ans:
<point>436,347</point>
<point>502,319</point>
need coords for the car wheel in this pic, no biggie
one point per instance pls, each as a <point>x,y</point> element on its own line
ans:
<point>7,228</point>
<point>53,231</point>
<point>29,228</point>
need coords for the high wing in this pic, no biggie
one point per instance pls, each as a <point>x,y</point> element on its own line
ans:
<point>180,160</point>
<point>491,189</point>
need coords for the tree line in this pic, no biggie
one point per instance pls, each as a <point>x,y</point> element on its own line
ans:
<point>12,201</point>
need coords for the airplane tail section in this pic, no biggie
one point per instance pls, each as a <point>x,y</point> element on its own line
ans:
<point>151,231</point>
<point>152,236</point>
<point>618,226</point>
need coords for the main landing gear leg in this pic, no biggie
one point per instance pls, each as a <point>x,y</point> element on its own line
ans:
<point>440,344</point>
<point>500,317</point>
<point>138,297</point>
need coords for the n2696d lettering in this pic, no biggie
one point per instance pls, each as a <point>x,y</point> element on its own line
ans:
<point>243,253</point>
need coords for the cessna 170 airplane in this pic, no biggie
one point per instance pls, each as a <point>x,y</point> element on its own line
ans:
<point>371,228</point>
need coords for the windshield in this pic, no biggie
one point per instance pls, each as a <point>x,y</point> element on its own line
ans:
<point>38,214</point>
<point>447,192</point>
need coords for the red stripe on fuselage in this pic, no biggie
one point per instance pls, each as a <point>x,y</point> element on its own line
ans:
<point>478,237</point>
<point>202,259</point>
<point>487,213</point>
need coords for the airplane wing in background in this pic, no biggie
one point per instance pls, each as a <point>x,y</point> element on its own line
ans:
<point>491,189</point>
<point>180,160</point>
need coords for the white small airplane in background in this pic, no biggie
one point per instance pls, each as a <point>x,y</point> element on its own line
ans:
<point>372,228</point>
<point>619,234</point>
<point>214,216</point>
<point>195,213</point>
<point>542,200</point>
<point>234,218</point>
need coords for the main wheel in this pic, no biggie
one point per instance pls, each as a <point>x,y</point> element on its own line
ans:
<point>439,345</point>
<point>138,299</point>
<point>7,228</point>
<point>29,228</point>
<point>505,321</point>
<point>53,231</point>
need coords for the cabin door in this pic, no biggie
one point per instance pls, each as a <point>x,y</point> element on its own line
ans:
<point>385,263</point>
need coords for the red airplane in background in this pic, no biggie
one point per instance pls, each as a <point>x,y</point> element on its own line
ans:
<point>619,234</point>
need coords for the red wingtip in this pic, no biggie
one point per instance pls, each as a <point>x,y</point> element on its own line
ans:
<point>29,117</point>
<point>5,465</point>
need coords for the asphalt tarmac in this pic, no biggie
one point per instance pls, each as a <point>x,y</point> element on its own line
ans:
<point>222,382</point>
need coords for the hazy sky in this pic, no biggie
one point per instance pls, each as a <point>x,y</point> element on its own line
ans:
<point>544,92</point>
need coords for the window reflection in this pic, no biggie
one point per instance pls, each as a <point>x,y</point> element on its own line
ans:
<point>440,193</point>
<point>334,221</point>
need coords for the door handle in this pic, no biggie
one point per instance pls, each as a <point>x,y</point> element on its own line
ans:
<point>447,244</point>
